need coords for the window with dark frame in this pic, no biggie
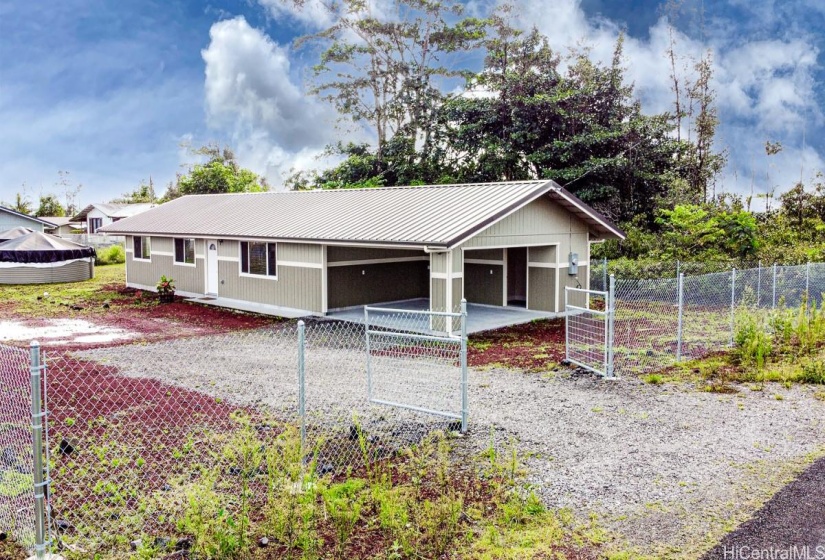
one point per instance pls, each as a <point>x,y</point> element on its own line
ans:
<point>185,251</point>
<point>142,248</point>
<point>95,224</point>
<point>259,258</point>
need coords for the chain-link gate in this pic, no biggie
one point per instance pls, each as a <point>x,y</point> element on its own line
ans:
<point>588,329</point>
<point>397,338</point>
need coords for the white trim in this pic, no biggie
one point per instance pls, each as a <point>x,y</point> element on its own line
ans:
<point>378,261</point>
<point>291,240</point>
<point>439,275</point>
<point>260,276</point>
<point>229,259</point>
<point>324,280</point>
<point>142,260</point>
<point>164,254</point>
<point>484,261</point>
<point>57,264</point>
<point>541,265</point>
<point>504,276</point>
<point>299,264</point>
<point>607,226</point>
<point>190,265</point>
<point>154,289</point>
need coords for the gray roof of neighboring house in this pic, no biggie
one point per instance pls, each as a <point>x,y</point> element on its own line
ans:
<point>432,215</point>
<point>113,210</point>
<point>59,220</point>
<point>26,216</point>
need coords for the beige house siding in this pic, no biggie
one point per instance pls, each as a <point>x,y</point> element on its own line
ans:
<point>541,289</point>
<point>539,223</point>
<point>72,272</point>
<point>145,274</point>
<point>484,283</point>
<point>295,287</point>
<point>566,280</point>
<point>376,283</point>
<point>336,253</point>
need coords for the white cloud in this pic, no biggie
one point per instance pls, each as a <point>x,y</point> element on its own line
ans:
<point>251,95</point>
<point>765,87</point>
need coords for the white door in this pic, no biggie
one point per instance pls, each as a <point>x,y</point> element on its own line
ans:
<point>212,267</point>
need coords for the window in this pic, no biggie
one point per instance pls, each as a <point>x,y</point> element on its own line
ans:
<point>142,248</point>
<point>95,224</point>
<point>259,258</point>
<point>185,251</point>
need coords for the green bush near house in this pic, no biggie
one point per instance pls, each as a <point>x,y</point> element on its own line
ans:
<point>114,254</point>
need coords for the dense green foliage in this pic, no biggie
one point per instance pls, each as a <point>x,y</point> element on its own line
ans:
<point>50,206</point>
<point>219,174</point>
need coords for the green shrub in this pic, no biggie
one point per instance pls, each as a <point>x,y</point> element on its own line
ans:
<point>115,254</point>
<point>813,372</point>
<point>753,343</point>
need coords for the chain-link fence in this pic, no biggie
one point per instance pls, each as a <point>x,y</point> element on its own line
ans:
<point>661,321</point>
<point>16,463</point>
<point>139,433</point>
<point>588,330</point>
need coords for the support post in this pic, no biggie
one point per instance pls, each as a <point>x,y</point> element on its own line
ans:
<point>758,284</point>
<point>37,448</point>
<point>611,324</point>
<point>604,273</point>
<point>732,302</point>
<point>302,384</point>
<point>678,268</point>
<point>773,305</point>
<point>680,315</point>
<point>465,409</point>
<point>566,327</point>
<point>807,283</point>
<point>369,353</point>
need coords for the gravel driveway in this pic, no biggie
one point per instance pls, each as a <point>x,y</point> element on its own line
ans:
<point>668,469</point>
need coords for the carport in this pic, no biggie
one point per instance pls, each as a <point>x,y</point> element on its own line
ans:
<point>479,317</point>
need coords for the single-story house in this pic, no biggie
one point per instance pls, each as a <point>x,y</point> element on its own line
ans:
<point>97,215</point>
<point>63,225</point>
<point>10,219</point>
<point>314,252</point>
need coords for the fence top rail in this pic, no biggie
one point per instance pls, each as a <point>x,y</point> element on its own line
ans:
<point>588,310</point>
<point>413,311</point>
<point>415,336</point>
<point>585,291</point>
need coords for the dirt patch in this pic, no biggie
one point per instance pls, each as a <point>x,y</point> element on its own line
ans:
<point>534,346</point>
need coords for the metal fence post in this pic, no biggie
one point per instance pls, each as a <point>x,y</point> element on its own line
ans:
<point>302,383</point>
<point>758,284</point>
<point>678,268</point>
<point>604,274</point>
<point>611,324</point>
<point>369,353</point>
<point>464,404</point>
<point>37,439</point>
<point>681,296</point>
<point>566,327</point>
<point>732,301</point>
<point>773,305</point>
<point>807,283</point>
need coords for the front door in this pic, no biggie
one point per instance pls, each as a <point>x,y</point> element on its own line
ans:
<point>212,267</point>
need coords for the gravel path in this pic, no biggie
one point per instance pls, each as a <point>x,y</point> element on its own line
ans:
<point>667,469</point>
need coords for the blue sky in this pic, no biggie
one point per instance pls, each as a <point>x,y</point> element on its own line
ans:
<point>109,90</point>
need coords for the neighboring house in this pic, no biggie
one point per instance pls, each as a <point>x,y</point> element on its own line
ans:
<point>63,225</point>
<point>97,215</point>
<point>318,251</point>
<point>10,219</point>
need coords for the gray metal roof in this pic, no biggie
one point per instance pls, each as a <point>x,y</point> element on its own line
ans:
<point>432,216</point>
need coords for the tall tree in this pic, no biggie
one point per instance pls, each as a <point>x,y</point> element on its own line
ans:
<point>382,70</point>
<point>50,206</point>
<point>21,204</point>
<point>143,193</point>
<point>219,174</point>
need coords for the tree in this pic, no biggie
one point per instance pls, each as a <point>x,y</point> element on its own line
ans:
<point>22,204</point>
<point>219,174</point>
<point>69,191</point>
<point>50,206</point>
<point>143,193</point>
<point>382,70</point>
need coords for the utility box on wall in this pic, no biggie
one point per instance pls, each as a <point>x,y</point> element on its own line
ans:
<point>573,270</point>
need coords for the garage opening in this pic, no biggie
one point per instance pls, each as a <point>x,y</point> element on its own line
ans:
<point>517,276</point>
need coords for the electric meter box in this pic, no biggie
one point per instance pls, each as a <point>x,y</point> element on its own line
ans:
<point>574,264</point>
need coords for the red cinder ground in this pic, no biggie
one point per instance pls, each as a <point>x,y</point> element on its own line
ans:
<point>534,346</point>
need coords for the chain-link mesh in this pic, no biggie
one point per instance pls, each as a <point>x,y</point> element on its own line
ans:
<point>649,318</point>
<point>135,428</point>
<point>16,455</point>
<point>586,329</point>
<point>369,396</point>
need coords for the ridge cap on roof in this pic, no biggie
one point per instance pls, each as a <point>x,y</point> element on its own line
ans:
<point>535,182</point>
